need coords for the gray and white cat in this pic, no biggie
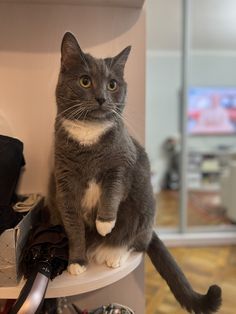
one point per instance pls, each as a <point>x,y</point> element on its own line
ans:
<point>100,188</point>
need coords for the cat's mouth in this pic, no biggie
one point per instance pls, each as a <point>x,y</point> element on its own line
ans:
<point>99,113</point>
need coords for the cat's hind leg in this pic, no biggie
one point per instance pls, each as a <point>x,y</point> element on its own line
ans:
<point>111,256</point>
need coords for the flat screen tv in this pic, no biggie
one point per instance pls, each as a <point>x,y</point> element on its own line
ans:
<point>211,111</point>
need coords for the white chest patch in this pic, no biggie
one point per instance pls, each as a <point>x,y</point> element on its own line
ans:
<point>86,132</point>
<point>91,196</point>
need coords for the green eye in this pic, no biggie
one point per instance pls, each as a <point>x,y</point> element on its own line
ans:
<point>85,81</point>
<point>112,85</point>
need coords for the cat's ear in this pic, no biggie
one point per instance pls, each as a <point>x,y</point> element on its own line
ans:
<point>121,58</point>
<point>70,50</point>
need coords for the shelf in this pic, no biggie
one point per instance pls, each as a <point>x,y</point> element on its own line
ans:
<point>95,277</point>
<point>202,188</point>
<point>205,168</point>
<point>112,3</point>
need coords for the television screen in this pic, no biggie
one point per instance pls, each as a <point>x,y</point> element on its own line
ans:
<point>211,111</point>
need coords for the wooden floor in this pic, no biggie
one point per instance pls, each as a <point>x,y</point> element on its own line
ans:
<point>203,209</point>
<point>203,267</point>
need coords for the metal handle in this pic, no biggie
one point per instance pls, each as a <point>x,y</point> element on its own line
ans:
<point>33,292</point>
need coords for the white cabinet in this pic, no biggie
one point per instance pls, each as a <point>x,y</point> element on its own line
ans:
<point>205,169</point>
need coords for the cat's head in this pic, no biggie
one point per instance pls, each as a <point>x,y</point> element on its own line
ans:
<point>90,88</point>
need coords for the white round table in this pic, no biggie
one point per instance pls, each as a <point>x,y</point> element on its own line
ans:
<point>95,277</point>
<point>98,285</point>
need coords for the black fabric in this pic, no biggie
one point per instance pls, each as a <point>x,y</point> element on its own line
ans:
<point>8,218</point>
<point>11,162</point>
<point>45,243</point>
<point>49,306</point>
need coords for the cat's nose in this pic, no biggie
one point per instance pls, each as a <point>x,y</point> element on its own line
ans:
<point>100,100</point>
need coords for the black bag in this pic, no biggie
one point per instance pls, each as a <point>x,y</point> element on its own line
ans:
<point>45,243</point>
<point>11,162</point>
<point>44,257</point>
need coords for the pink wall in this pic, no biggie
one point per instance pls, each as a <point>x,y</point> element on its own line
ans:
<point>30,37</point>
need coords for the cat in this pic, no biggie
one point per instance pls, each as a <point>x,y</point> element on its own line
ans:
<point>100,189</point>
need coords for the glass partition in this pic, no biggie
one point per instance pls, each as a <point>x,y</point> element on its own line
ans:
<point>191,113</point>
<point>163,105</point>
<point>211,115</point>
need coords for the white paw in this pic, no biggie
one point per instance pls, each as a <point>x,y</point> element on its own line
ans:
<point>111,256</point>
<point>75,269</point>
<point>117,259</point>
<point>104,227</point>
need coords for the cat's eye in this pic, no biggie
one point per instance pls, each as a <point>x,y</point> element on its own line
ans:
<point>112,85</point>
<point>85,81</point>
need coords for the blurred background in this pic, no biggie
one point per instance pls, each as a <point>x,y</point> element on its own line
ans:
<point>191,137</point>
<point>211,141</point>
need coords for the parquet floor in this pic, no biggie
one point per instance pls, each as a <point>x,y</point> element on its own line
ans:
<point>203,209</point>
<point>203,267</point>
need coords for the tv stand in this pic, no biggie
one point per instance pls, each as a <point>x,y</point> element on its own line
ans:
<point>205,168</point>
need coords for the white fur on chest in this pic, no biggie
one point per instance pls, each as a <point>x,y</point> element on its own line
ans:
<point>86,132</point>
<point>91,195</point>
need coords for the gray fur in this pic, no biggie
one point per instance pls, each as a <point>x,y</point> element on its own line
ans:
<point>118,163</point>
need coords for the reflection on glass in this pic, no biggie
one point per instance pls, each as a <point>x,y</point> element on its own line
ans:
<point>211,114</point>
<point>162,105</point>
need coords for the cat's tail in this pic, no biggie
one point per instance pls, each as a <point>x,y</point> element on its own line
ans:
<point>178,283</point>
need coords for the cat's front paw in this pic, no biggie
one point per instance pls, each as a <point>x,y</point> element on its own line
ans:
<point>76,269</point>
<point>104,227</point>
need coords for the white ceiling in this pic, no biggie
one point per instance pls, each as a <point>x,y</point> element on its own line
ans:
<point>212,24</point>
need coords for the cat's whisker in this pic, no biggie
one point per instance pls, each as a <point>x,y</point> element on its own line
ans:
<point>71,116</point>
<point>77,110</point>
<point>79,114</point>
<point>66,99</point>
<point>127,123</point>
<point>118,103</point>
<point>68,109</point>
<point>78,104</point>
<point>116,116</point>
<point>85,116</point>
<point>76,113</point>
<point>69,102</point>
